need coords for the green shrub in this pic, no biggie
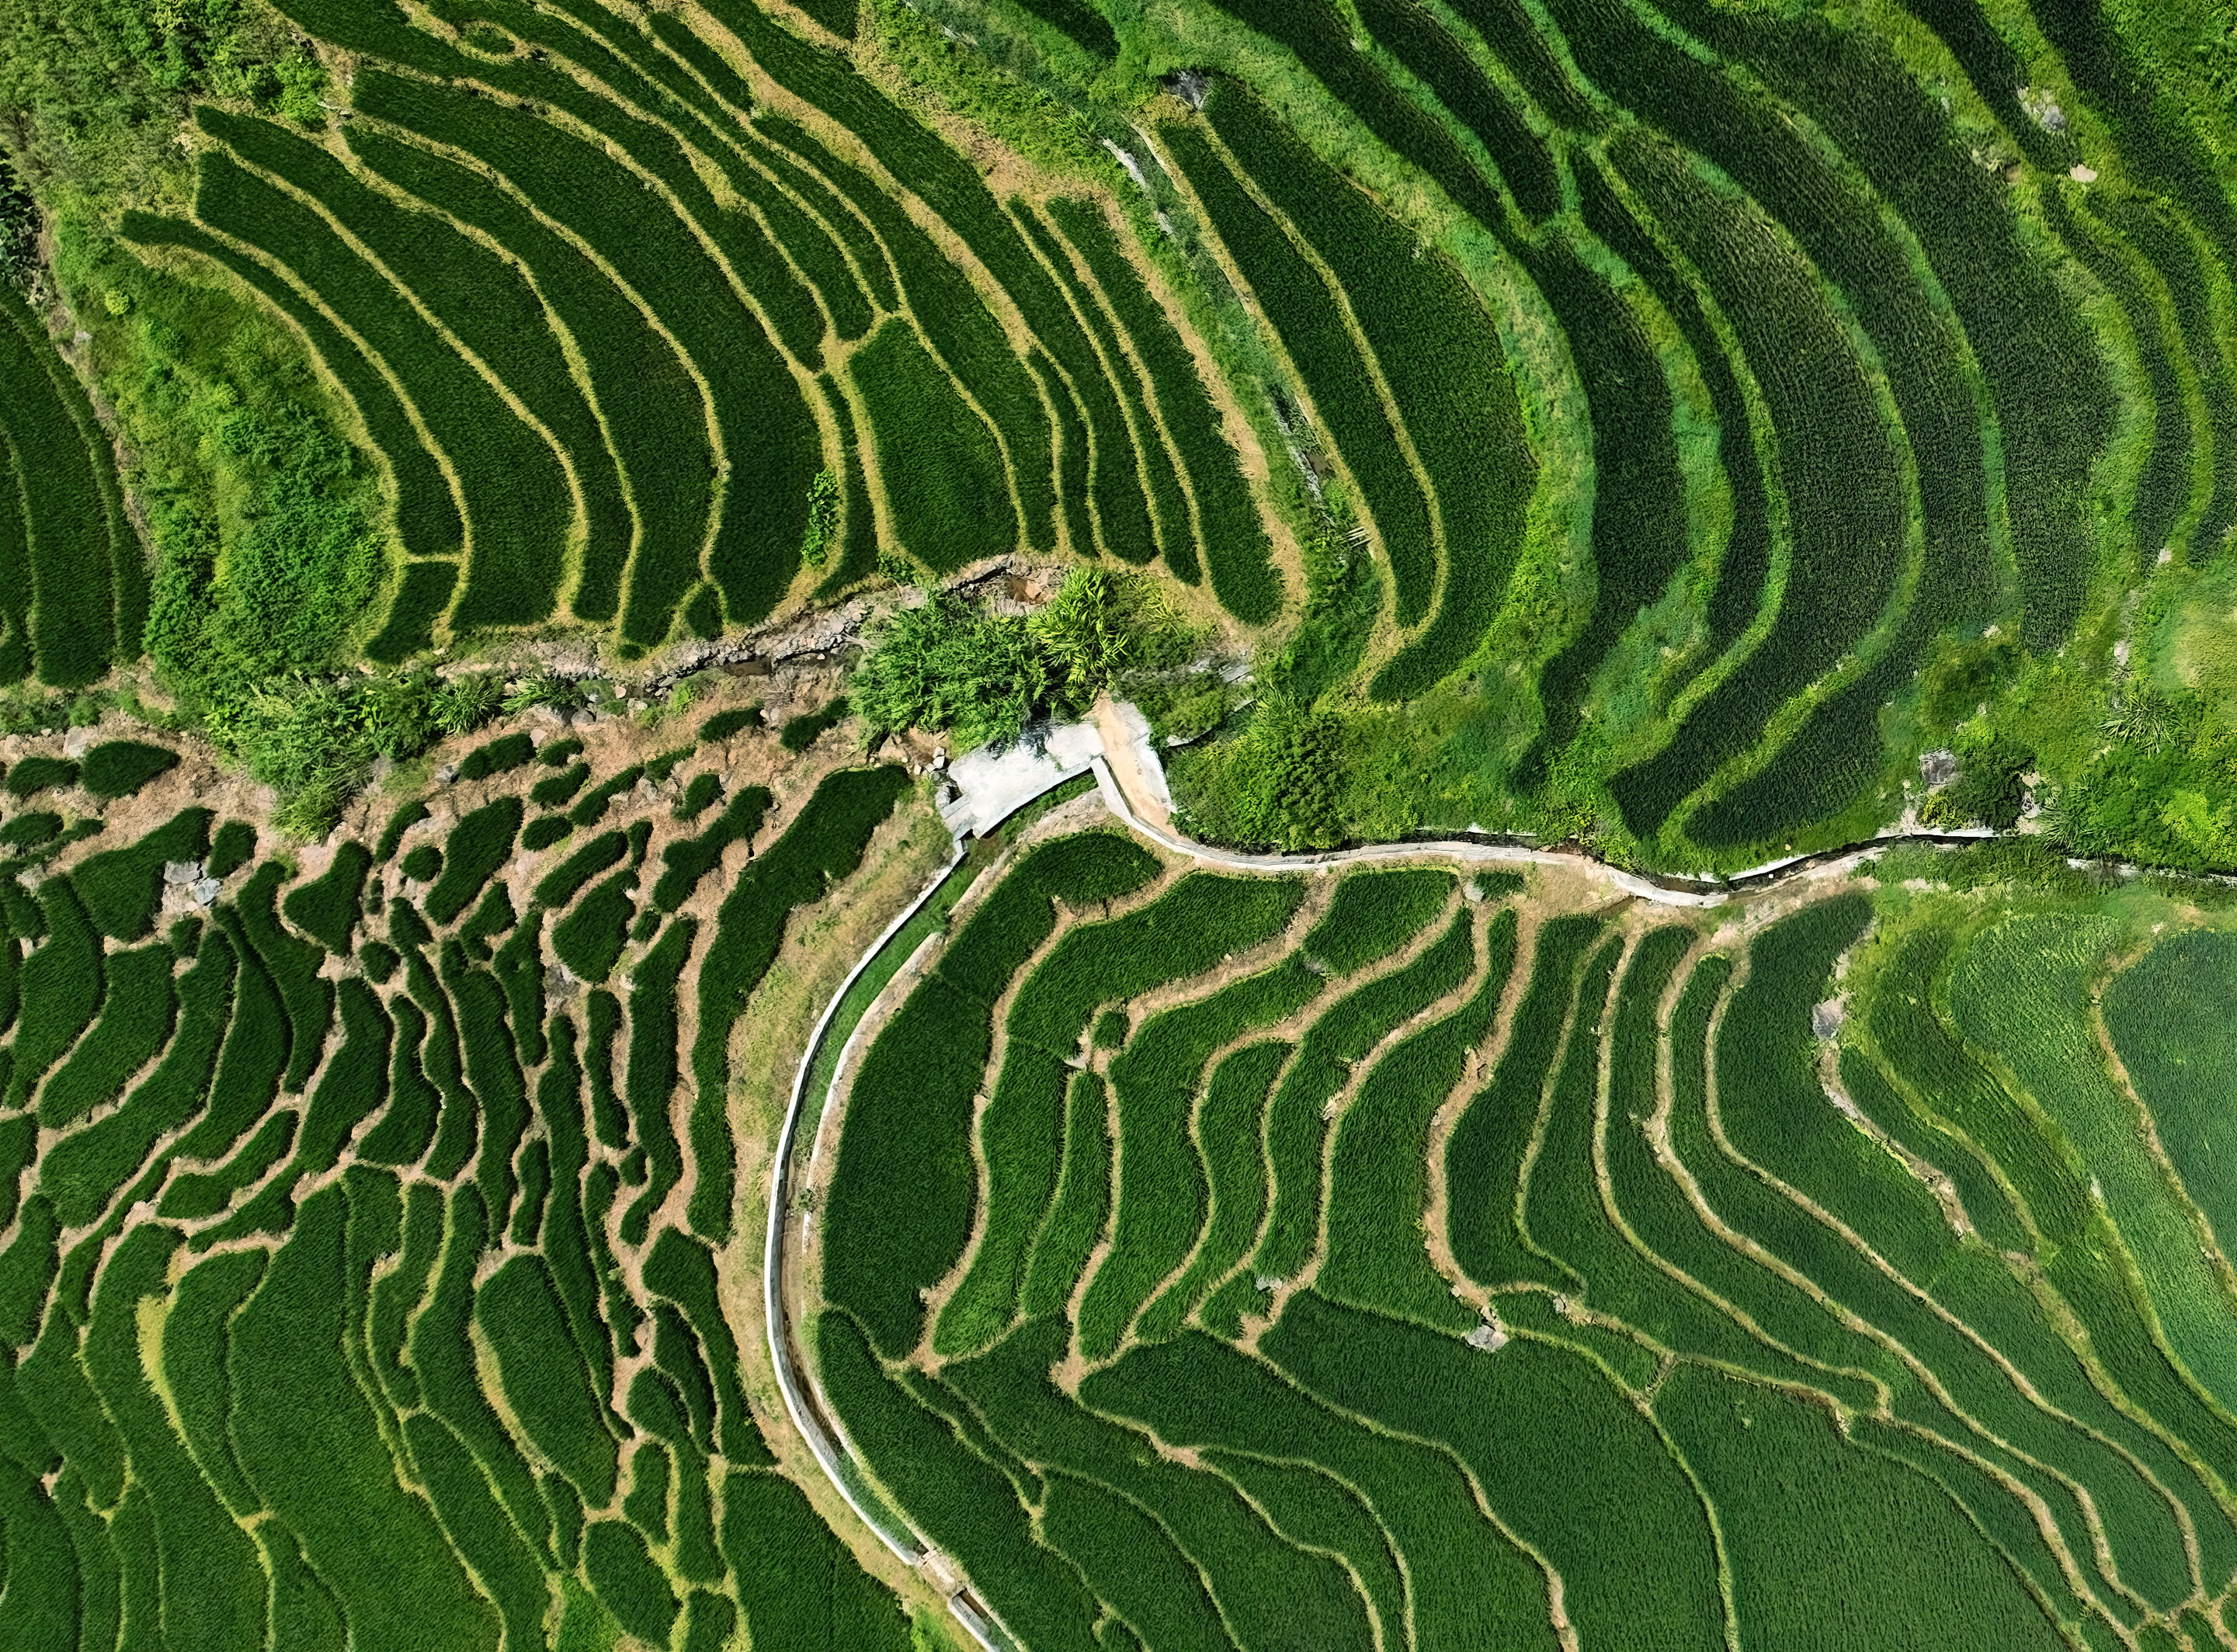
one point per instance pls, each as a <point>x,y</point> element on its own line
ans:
<point>555,790</point>
<point>476,847</point>
<point>724,724</point>
<point>121,768</point>
<point>1278,784</point>
<point>31,830</point>
<point>36,774</point>
<point>122,888</point>
<point>545,1385</point>
<point>327,908</point>
<point>497,757</point>
<point>627,1582</point>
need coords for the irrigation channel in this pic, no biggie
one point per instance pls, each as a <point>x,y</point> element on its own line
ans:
<point>1116,748</point>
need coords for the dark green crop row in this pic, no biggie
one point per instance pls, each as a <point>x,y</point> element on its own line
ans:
<point>1844,504</point>
<point>1298,305</point>
<point>770,445</point>
<point>517,504</point>
<point>653,413</point>
<point>121,888</point>
<point>478,845</point>
<point>428,523</point>
<point>1295,1125</point>
<point>1113,481</point>
<point>1190,928</point>
<point>1236,550</point>
<point>480,297</point>
<point>1746,564</point>
<point>945,484</point>
<point>618,111</point>
<point>918,1079</point>
<point>1638,499</point>
<point>823,847</point>
<point>87,581</point>
<point>686,862</point>
<point>1377,1207</point>
<point>1322,38</point>
<point>2167,243</point>
<point>328,907</point>
<point>970,342</point>
<point>2053,405</point>
<point>1439,62</point>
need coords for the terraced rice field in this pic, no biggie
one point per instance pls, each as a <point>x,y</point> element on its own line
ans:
<point>1710,383</point>
<point>609,308</point>
<point>358,1283</point>
<point>74,576</point>
<point>1389,1261</point>
<point>1661,424</point>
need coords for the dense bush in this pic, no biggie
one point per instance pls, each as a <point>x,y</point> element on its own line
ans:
<point>497,757</point>
<point>476,847</point>
<point>328,908</point>
<point>946,665</point>
<point>36,775</point>
<point>121,888</point>
<point>120,767</point>
<point>1278,784</point>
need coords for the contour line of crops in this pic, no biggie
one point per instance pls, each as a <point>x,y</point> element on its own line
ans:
<point>523,202</point>
<point>1298,386</point>
<point>1111,345</point>
<point>504,390</point>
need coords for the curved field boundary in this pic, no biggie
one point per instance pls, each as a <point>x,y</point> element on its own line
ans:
<point>804,1403</point>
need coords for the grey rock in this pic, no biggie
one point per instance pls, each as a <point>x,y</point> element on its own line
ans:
<point>206,891</point>
<point>183,872</point>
